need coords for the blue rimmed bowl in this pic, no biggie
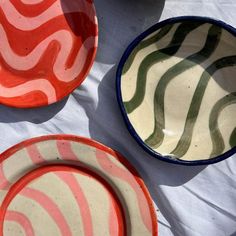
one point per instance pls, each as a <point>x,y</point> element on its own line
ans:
<point>176,88</point>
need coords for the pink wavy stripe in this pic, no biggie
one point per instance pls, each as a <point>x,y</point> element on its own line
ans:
<point>66,151</point>
<point>50,207</point>
<point>22,220</point>
<point>113,220</point>
<point>4,183</point>
<point>41,85</point>
<point>24,63</point>
<point>21,22</point>
<point>34,154</point>
<point>124,175</point>
<point>81,201</point>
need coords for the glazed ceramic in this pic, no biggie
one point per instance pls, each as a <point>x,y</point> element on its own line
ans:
<point>67,185</point>
<point>176,88</point>
<point>47,49</point>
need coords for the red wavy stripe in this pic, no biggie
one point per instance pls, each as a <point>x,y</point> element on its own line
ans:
<point>34,154</point>
<point>65,151</point>
<point>20,43</point>
<point>118,172</point>
<point>35,97</point>
<point>32,10</point>
<point>81,201</point>
<point>43,69</point>
<point>28,100</point>
<point>23,42</point>
<point>22,220</point>
<point>50,207</point>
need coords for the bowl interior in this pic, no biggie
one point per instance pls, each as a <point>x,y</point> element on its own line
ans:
<point>178,89</point>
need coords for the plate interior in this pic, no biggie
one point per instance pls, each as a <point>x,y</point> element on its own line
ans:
<point>89,187</point>
<point>47,49</point>
<point>62,200</point>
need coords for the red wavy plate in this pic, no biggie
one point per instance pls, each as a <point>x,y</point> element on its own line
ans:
<point>47,49</point>
<point>68,185</point>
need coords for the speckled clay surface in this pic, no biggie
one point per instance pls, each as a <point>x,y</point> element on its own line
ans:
<point>178,90</point>
<point>67,185</point>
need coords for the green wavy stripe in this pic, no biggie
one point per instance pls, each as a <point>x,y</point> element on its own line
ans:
<point>164,31</point>
<point>232,140</point>
<point>186,138</point>
<point>216,136</point>
<point>212,41</point>
<point>179,36</point>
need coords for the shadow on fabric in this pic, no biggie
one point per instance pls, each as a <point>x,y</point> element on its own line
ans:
<point>105,121</point>
<point>33,115</point>
<point>106,125</point>
<point>119,22</point>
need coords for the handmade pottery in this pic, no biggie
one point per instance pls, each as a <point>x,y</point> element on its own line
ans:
<point>47,49</point>
<point>176,88</point>
<point>67,185</point>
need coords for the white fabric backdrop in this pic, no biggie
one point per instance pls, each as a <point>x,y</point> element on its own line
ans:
<point>192,201</point>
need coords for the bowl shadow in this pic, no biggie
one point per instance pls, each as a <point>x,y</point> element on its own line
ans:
<point>120,22</point>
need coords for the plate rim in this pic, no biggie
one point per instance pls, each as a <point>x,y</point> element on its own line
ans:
<point>92,143</point>
<point>126,54</point>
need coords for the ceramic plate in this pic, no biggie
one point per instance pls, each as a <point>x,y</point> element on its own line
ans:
<point>176,88</point>
<point>47,49</point>
<point>67,185</point>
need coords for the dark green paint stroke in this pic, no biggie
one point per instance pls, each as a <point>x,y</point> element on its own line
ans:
<point>216,136</point>
<point>164,31</point>
<point>186,138</point>
<point>212,41</point>
<point>232,140</point>
<point>179,36</point>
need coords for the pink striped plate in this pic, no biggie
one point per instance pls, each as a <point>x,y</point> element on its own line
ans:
<point>47,49</point>
<point>68,185</point>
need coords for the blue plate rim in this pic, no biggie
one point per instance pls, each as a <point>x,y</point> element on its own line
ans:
<point>123,59</point>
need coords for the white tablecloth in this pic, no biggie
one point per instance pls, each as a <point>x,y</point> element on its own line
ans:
<point>192,201</point>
